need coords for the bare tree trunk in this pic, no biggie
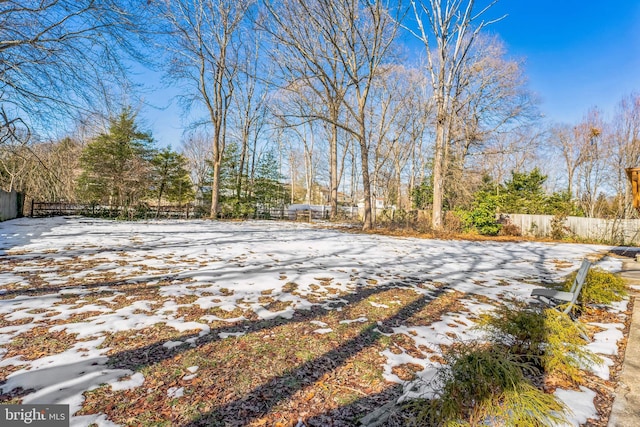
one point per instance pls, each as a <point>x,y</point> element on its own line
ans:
<point>204,54</point>
<point>333,169</point>
<point>366,185</point>
<point>451,26</point>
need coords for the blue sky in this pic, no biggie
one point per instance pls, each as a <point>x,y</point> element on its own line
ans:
<point>577,55</point>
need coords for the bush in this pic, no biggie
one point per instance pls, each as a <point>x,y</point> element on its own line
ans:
<point>484,385</point>
<point>600,287</point>
<point>549,339</point>
<point>558,227</point>
<point>236,208</point>
<point>452,222</point>
<point>510,229</point>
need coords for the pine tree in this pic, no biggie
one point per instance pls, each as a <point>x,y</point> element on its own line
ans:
<point>116,164</point>
<point>171,178</point>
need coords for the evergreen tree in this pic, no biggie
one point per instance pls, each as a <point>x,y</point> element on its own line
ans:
<point>524,193</point>
<point>422,195</point>
<point>171,179</point>
<point>116,165</point>
<point>268,190</point>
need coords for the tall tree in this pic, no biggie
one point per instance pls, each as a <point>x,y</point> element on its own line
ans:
<point>249,112</point>
<point>203,47</point>
<point>454,26</point>
<point>567,141</point>
<point>116,164</point>
<point>491,99</point>
<point>306,53</point>
<point>196,148</point>
<point>341,46</point>
<point>268,189</point>
<point>62,56</point>
<point>592,174</point>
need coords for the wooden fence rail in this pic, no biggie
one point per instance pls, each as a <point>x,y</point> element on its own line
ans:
<point>44,209</point>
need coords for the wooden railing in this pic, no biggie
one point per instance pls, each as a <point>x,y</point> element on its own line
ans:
<point>44,209</point>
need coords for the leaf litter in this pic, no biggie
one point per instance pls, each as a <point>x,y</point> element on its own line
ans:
<point>215,323</point>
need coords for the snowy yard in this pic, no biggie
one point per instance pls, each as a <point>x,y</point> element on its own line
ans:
<point>249,323</point>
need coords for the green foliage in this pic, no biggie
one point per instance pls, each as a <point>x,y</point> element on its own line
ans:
<point>116,164</point>
<point>560,203</point>
<point>483,384</point>
<point>549,339</point>
<point>233,207</point>
<point>600,287</point>
<point>264,190</point>
<point>482,216</point>
<point>229,172</point>
<point>524,193</point>
<point>422,195</point>
<point>268,190</point>
<point>170,177</point>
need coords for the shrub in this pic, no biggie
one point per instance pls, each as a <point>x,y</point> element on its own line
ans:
<point>482,218</point>
<point>549,339</point>
<point>236,208</point>
<point>510,229</point>
<point>452,222</point>
<point>600,287</point>
<point>484,385</point>
<point>558,227</point>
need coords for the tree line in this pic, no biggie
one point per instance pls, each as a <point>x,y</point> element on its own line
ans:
<point>339,102</point>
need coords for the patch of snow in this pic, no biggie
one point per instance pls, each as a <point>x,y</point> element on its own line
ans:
<point>172,344</point>
<point>136,380</point>
<point>606,342</point>
<point>580,403</point>
<point>175,392</point>
<point>378,305</point>
<point>85,420</point>
<point>318,323</point>
<point>358,320</point>
<point>224,335</point>
<point>602,369</point>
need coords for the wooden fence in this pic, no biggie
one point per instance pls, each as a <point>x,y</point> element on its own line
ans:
<point>610,231</point>
<point>10,205</point>
<point>44,209</point>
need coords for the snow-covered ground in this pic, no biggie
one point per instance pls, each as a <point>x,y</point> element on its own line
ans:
<point>55,269</point>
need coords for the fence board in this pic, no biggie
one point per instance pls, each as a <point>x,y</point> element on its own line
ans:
<point>612,231</point>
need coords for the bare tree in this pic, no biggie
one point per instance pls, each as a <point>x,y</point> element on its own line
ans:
<point>58,57</point>
<point>491,99</point>
<point>196,147</point>
<point>455,26</point>
<point>42,170</point>
<point>340,46</point>
<point>591,138</point>
<point>306,56</point>
<point>566,139</point>
<point>15,162</point>
<point>389,126</point>
<point>515,150</point>
<point>203,43</point>
<point>249,104</point>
